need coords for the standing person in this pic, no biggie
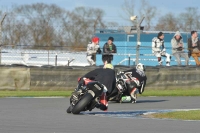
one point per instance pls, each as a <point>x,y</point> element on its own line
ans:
<point>109,48</point>
<point>194,47</point>
<point>158,49</point>
<point>178,48</point>
<point>92,49</point>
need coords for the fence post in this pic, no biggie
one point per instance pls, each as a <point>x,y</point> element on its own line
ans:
<point>138,41</point>
<point>1,34</point>
<point>56,59</point>
<point>48,55</point>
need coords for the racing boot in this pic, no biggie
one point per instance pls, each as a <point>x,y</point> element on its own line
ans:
<point>103,102</point>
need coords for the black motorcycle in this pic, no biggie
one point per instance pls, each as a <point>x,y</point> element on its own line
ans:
<point>85,97</point>
<point>123,89</point>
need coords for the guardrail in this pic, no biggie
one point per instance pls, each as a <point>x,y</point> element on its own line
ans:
<point>146,59</point>
<point>65,58</point>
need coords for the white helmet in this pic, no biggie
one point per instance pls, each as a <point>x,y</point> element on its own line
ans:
<point>140,67</point>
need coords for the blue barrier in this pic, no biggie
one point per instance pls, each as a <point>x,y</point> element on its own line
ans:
<point>126,53</point>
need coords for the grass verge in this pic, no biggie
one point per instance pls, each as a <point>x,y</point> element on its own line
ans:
<point>179,115</point>
<point>35,93</point>
<point>175,92</point>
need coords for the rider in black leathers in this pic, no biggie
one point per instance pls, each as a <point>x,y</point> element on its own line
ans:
<point>135,80</point>
<point>105,76</point>
<point>129,83</point>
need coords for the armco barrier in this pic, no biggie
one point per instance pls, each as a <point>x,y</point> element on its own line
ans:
<point>18,77</point>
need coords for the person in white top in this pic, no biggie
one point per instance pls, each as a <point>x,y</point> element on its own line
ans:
<point>92,49</point>
<point>158,49</point>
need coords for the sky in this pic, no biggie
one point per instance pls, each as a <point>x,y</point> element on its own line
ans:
<point>112,8</point>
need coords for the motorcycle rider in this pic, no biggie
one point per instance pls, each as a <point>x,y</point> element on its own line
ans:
<point>106,76</point>
<point>135,81</point>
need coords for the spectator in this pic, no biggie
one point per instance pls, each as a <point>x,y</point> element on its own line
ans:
<point>158,49</point>
<point>194,47</point>
<point>178,48</point>
<point>92,49</point>
<point>108,49</point>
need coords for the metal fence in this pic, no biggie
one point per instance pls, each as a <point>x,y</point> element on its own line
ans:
<point>126,55</point>
<point>42,57</point>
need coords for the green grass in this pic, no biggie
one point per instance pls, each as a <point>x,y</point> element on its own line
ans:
<point>180,115</point>
<point>35,93</point>
<point>176,92</point>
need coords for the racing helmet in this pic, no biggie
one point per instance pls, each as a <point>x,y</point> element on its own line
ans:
<point>140,67</point>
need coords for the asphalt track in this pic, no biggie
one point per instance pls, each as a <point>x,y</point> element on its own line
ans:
<point>48,115</point>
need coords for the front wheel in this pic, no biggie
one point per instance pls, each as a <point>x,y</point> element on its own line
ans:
<point>85,100</point>
<point>69,110</point>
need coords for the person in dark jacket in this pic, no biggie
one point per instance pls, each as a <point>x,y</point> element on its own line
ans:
<point>194,47</point>
<point>106,76</point>
<point>108,49</point>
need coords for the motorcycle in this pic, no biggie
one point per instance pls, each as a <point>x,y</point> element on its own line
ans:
<point>126,88</point>
<point>86,97</point>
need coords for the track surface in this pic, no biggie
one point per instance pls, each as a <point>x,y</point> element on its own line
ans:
<point>48,115</point>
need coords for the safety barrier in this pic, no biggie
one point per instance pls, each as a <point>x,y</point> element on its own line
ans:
<point>19,77</point>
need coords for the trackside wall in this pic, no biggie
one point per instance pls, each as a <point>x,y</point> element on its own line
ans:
<point>65,78</point>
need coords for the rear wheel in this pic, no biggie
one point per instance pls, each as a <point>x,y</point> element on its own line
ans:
<point>85,100</point>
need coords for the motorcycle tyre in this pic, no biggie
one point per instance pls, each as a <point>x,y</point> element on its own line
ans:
<point>69,110</point>
<point>85,100</point>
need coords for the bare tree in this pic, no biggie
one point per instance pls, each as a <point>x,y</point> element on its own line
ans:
<point>112,24</point>
<point>167,22</point>
<point>145,10</point>
<point>190,19</point>
<point>43,26</point>
<point>82,25</point>
<point>1,23</point>
<point>14,32</point>
<point>128,8</point>
<point>149,13</point>
<point>41,20</point>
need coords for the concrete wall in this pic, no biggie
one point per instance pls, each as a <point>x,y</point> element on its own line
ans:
<point>14,78</point>
<point>18,77</point>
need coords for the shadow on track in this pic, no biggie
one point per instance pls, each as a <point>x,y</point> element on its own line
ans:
<point>150,101</point>
<point>142,101</point>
